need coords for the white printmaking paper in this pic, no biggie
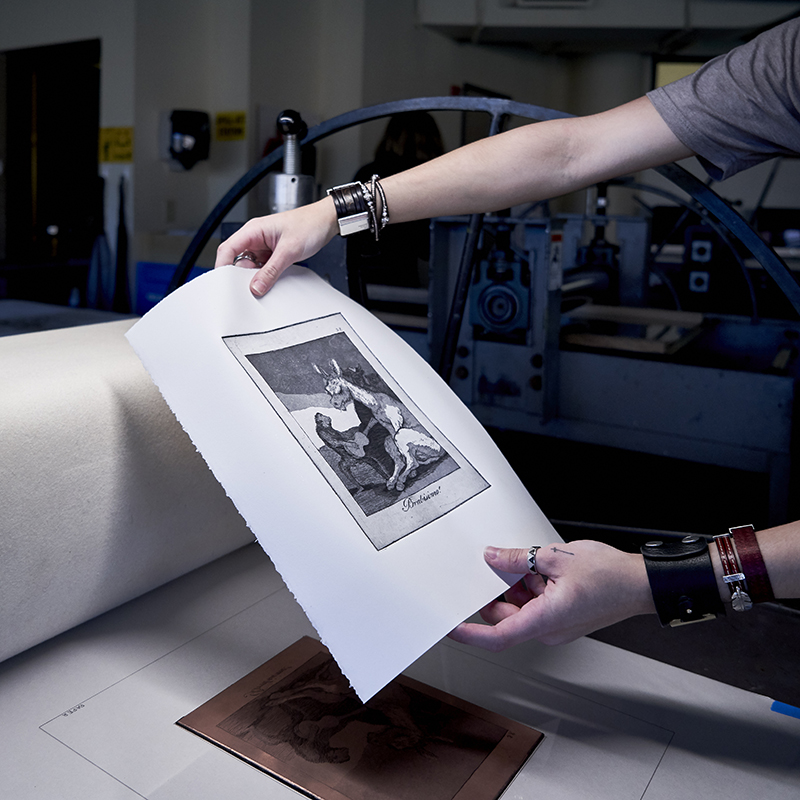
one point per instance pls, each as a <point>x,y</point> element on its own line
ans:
<point>369,484</point>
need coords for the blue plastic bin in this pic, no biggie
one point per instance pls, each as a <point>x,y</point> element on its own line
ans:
<point>152,280</point>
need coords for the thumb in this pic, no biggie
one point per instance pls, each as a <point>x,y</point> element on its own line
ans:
<point>513,560</point>
<point>267,275</point>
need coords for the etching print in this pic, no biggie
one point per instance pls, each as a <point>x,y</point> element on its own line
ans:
<point>386,461</point>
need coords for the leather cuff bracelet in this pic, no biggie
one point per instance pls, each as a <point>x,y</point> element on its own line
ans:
<point>352,212</point>
<point>357,209</point>
<point>732,573</point>
<point>682,581</point>
<point>753,566</point>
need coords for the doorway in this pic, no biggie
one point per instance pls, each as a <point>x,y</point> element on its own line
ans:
<point>49,189</point>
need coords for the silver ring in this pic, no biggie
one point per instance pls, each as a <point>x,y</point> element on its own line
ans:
<point>532,559</point>
<point>248,255</point>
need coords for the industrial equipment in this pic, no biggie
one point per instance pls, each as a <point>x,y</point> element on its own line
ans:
<point>290,188</point>
<point>580,327</point>
<point>535,353</point>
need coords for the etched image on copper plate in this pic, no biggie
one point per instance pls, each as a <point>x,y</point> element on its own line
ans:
<point>386,461</point>
<point>297,718</point>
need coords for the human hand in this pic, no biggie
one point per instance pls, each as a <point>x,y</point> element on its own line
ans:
<point>279,240</point>
<point>590,585</point>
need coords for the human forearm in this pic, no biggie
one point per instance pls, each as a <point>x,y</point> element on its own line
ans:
<point>780,549</point>
<point>534,162</point>
<point>590,585</point>
<point>484,176</point>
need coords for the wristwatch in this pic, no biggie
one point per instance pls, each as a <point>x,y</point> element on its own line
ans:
<point>682,581</point>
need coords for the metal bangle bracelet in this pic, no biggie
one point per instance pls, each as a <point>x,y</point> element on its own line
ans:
<point>248,255</point>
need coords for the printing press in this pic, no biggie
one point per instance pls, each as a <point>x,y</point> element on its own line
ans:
<point>590,328</point>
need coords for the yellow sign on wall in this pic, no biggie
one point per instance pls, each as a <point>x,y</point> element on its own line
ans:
<point>116,145</point>
<point>230,126</point>
<point>670,71</point>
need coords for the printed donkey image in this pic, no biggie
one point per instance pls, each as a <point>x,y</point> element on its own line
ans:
<point>370,438</point>
<point>406,442</point>
<point>382,456</point>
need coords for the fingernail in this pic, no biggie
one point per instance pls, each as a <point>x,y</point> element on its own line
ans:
<point>491,553</point>
<point>258,288</point>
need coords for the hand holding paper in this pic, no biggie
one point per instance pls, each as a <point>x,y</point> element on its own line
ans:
<point>280,240</point>
<point>590,585</point>
<point>311,457</point>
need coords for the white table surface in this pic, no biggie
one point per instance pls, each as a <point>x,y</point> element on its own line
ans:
<point>91,713</point>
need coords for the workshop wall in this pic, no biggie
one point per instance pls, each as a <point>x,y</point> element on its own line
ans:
<point>36,23</point>
<point>189,55</point>
<point>424,63</point>
<point>322,58</point>
<point>309,56</point>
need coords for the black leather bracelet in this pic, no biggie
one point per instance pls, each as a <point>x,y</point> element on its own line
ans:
<point>356,207</point>
<point>352,210</point>
<point>339,204</point>
<point>682,580</point>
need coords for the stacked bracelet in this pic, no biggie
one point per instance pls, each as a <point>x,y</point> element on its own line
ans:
<point>357,209</point>
<point>682,577</point>
<point>752,562</point>
<point>352,212</point>
<point>732,573</point>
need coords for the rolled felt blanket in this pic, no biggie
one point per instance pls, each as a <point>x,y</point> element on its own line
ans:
<point>103,497</point>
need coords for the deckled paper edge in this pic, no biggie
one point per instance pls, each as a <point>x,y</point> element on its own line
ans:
<point>507,578</point>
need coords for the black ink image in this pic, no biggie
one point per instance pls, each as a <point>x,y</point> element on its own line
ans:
<point>409,446</point>
<point>297,717</point>
<point>390,466</point>
<point>387,455</point>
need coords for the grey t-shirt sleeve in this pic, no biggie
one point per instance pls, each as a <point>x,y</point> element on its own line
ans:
<point>741,108</point>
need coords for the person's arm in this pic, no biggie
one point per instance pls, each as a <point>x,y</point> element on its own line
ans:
<point>780,549</point>
<point>527,164</point>
<point>592,585</point>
